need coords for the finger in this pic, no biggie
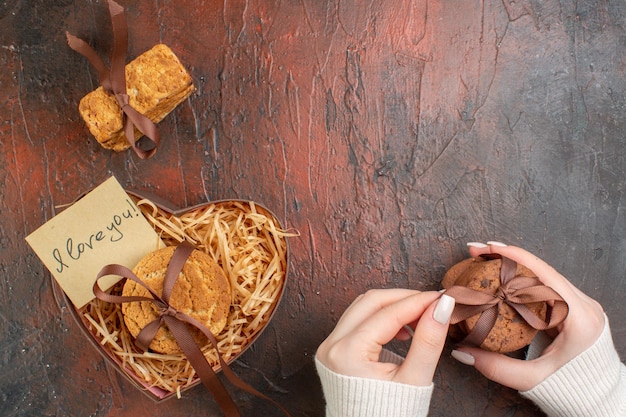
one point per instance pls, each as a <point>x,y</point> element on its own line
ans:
<point>427,345</point>
<point>365,305</point>
<point>383,325</point>
<point>357,351</point>
<point>546,273</point>
<point>513,373</point>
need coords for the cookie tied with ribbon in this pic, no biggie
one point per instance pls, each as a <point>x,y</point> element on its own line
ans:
<point>131,99</point>
<point>163,296</point>
<point>500,305</point>
<point>202,291</point>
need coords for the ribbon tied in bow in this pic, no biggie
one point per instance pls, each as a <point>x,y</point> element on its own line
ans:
<point>515,291</point>
<point>178,323</point>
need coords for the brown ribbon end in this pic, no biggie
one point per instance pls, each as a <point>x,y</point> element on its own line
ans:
<point>115,8</point>
<point>70,39</point>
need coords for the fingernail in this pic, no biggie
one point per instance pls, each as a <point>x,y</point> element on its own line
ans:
<point>444,309</point>
<point>495,243</point>
<point>476,245</point>
<point>463,357</point>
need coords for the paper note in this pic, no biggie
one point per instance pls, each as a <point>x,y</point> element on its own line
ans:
<point>103,227</point>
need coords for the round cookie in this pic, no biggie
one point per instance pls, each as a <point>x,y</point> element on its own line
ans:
<point>201,291</point>
<point>510,332</point>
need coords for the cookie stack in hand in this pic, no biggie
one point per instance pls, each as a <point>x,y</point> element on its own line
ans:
<point>201,291</point>
<point>510,331</point>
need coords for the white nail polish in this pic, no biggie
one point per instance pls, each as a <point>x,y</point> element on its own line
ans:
<point>444,309</point>
<point>463,357</point>
<point>476,245</point>
<point>496,243</point>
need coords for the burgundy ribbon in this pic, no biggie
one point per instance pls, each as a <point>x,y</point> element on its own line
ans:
<point>114,82</point>
<point>515,291</point>
<point>178,323</point>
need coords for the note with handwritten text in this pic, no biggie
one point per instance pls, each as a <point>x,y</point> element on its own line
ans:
<point>103,227</point>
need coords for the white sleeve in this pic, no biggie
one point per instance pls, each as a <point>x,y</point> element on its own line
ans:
<point>593,384</point>
<point>348,396</point>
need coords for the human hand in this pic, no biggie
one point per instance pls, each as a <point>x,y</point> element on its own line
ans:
<point>374,319</point>
<point>580,330</point>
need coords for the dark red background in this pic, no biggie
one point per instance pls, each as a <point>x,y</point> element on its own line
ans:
<point>387,133</point>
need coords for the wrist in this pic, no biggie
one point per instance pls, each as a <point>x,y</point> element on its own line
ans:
<point>353,396</point>
<point>591,384</point>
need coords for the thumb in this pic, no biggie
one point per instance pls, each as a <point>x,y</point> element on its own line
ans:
<point>518,374</point>
<point>427,345</point>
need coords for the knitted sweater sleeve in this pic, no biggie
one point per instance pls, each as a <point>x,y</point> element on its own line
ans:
<point>348,396</point>
<point>593,384</point>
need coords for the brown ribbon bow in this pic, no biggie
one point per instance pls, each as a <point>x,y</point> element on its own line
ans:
<point>515,292</point>
<point>178,323</point>
<point>114,82</point>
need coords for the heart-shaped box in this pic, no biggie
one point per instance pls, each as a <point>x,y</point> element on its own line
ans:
<point>103,325</point>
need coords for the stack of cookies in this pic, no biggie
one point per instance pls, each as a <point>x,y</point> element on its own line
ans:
<point>156,82</point>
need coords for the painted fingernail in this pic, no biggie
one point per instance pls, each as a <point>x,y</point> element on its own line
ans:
<point>463,357</point>
<point>496,243</point>
<point>476,245</point>
<point>444,309</point>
